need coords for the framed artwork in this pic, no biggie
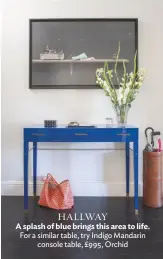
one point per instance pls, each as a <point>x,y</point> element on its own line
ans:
<point>65,53</point>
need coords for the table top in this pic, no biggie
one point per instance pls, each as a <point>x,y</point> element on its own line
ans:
<point>97,126</point>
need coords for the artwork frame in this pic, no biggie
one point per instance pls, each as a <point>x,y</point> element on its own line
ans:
<point>69,20</point>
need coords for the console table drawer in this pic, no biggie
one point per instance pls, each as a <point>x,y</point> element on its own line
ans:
<point>47,135</point>
<point>102,135</point>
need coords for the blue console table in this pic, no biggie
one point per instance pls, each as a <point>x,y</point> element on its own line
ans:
<point>98,134</point>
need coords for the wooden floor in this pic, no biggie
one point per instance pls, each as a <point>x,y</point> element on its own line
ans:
<point>120,211</point>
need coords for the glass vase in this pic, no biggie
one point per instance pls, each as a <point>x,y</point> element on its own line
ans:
<point>121,114</point>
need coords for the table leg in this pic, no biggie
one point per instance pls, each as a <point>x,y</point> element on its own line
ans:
<point>34,167</point>
<point>25,175</point>
<point>136,203</point>
<point>127,169</point>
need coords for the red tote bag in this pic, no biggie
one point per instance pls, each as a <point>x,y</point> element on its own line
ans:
<point>56,195</point>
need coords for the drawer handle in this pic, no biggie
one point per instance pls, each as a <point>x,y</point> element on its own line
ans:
<point>81,134</point>
<point>123,134</point>
<point>38,134</point>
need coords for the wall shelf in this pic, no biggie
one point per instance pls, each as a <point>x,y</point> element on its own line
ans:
<point>40,61</point>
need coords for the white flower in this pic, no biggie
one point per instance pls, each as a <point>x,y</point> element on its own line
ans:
<point>101,81</point>
<point>110,73</point>
<point>129,84</point>
<point>99,71</point>
<point>126,94</point>
<point>119,93</point>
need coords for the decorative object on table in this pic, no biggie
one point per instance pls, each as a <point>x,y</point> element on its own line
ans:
<point>74,124</point>
<point>56,195</point>
<point>128,86</point>
<point>51,54</point>
<point>109,122</point>
<point>50,123</point>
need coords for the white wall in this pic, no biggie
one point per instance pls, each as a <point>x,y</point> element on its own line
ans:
<point>90,172</point>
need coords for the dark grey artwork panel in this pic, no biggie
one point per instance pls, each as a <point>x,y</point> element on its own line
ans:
<point>93,41</point>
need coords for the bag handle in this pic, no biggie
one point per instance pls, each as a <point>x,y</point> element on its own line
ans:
<point>51,179</point>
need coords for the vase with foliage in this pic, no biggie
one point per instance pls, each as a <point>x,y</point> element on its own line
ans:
<point>124,92</point>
